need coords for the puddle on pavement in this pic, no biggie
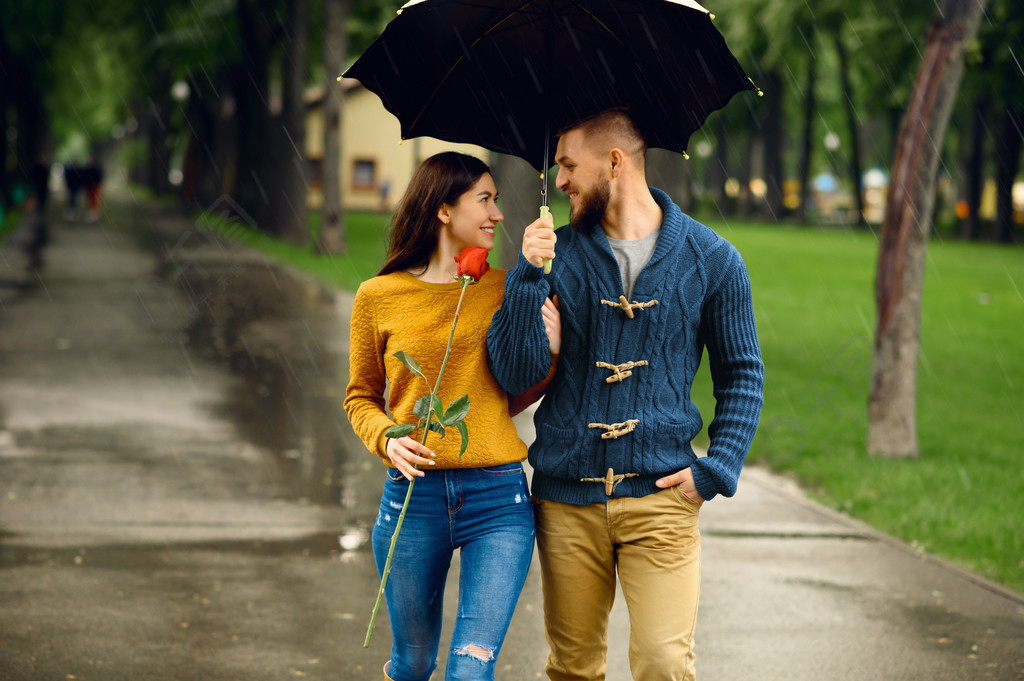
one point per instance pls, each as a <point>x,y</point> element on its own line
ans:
<point>287,339</point>
<point>970,639</point>
<point>280,335</point>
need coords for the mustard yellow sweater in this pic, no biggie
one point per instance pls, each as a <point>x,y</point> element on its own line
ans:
<point>399,312</point>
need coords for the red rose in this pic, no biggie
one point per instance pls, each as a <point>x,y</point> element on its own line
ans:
<point>473,262</point>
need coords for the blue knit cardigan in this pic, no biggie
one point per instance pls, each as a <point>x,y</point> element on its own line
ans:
<point>693,293</point>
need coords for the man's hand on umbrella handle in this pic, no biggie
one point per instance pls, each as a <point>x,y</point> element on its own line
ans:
<point>539,241</point>
<point>545,212</point>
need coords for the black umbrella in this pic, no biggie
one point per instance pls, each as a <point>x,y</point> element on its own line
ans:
<point>507,75</point>
<point>504,74</point>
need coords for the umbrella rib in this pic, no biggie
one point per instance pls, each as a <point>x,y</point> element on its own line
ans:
<point>600,23</point>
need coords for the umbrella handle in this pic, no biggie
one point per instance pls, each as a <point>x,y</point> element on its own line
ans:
<point>545,211</point>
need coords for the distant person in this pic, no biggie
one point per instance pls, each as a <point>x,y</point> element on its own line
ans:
<point>41,182</point>
<point>92,181</point>
<point>73,182</point>
<point>477,503</point>
<point>385,193</point>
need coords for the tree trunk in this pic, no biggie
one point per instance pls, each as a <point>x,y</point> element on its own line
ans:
<point>288,195</point>
<point>155,127</point>
<point>684,199</point>
<point>971,229</point>
<point>252,114</point>
<point>520,188</point>
<point>856,172</point>
<point>5,90</point>
<point>892,428</point>
<point>333,238</point>
<point>807,145</point>
<point>1007,163</point>
<point>227,140</point>
<point>669,171</point>
<point>773,134</point>
<point>746,199</point>
<point>718,167</point>
<point>29,122</point>
<point>212,139</point>
<point>197,161</point>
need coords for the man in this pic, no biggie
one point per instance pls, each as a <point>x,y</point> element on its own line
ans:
<point>643,289</point>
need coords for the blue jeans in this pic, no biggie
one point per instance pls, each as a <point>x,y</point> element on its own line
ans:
<point>487,514</point>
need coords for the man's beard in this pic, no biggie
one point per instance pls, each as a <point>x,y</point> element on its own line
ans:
<point>590,207</point>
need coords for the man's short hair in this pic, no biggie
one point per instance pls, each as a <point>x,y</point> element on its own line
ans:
<point>611,129</point>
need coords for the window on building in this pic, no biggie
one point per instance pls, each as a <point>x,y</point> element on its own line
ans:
<point>315,172</point>
<point>364,174</point>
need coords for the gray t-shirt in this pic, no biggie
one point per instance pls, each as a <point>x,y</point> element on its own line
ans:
<point>632,255</point>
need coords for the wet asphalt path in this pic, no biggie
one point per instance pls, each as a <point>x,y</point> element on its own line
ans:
<point>181,497</point>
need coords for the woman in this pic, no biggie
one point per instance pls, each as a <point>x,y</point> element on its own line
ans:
<point>478,503</point>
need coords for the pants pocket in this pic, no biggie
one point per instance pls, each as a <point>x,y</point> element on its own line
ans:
<point>685,500</point>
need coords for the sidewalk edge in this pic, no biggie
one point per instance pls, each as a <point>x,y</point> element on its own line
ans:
<point>769,481</point>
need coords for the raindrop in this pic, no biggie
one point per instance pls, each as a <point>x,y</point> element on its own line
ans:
<point>1015,59</point>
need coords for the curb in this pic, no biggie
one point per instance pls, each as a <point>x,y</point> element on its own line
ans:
<point>772,483</point>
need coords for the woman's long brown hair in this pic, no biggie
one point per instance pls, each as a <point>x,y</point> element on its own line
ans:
<point>442,178</point>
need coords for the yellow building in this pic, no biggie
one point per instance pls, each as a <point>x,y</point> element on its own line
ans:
<point>375,166</point>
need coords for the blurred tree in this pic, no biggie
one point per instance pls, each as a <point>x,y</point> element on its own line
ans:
<point>366,21</point>
<point>852,124</point>
<point>749,29</point>
<point>259,29</point>
<point>892,427</point>
<point>670,171</point>
<point>28,33</point>
<point>974,172</point>
<point>1002,34</point>
<point>807,135</point>
<point>786,32</point>
<point>520,188</point>
<point>1008,150</point>
<point>993,107</point>
<point>332,235</point>
<point>798,54</point>
<point>192,44</point>
<point>287,213</point>
<point>5,88</point>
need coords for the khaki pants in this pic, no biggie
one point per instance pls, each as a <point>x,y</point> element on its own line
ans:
<point>655,544</point>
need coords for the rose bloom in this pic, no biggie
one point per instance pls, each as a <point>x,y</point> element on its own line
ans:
<point>473,262</point>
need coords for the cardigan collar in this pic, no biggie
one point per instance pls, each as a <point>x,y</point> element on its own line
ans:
<point>673,228</point>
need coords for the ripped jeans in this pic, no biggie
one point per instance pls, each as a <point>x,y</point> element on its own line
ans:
<point>485,513</point>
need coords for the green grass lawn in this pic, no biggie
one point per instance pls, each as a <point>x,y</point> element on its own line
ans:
<point>362,259</point>
<point>814,301</point>
<point>8,221</point>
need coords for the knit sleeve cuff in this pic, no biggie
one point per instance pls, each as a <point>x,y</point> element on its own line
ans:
<point>382,445</point>
<point>518,353</point>
<point>524,271</point>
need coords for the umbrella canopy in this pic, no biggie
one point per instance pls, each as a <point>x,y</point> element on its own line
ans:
<point>507,75</point>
